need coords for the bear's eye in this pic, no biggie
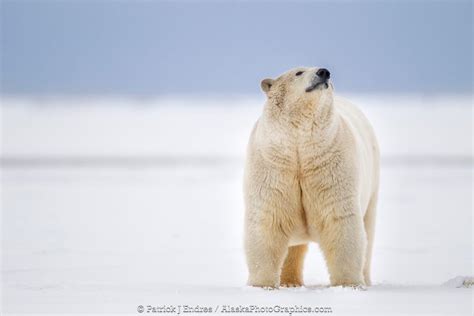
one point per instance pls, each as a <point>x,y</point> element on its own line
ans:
<point>299,73</point>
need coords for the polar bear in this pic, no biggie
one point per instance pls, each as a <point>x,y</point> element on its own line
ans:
<point>311,175</point>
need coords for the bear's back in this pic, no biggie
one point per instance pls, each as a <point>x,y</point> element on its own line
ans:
<point>366,145</point>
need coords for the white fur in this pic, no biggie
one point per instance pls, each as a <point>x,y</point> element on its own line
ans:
<point>311,175</point>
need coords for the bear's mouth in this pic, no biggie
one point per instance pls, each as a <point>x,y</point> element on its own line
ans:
<point>316,85</point>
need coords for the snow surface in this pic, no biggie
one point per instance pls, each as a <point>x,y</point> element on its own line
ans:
<point>110,204</point>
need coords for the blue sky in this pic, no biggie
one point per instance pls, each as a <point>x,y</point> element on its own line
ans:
<point>208,47</point>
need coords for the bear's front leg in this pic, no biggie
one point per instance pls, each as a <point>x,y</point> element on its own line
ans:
<point>266,247</point>
<point>272,205</point>
<point>343,243</point>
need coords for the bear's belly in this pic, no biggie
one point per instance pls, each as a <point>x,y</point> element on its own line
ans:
<point>300,234</point>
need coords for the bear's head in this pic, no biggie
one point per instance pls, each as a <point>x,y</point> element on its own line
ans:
<point>305,87</point>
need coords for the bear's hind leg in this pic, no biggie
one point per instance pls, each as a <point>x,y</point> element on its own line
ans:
<point>292,272</point>
<point>369,223</point>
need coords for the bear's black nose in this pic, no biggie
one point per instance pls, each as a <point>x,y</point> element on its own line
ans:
<point>323,73</point>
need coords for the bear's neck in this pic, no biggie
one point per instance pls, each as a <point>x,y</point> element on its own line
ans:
<point>304,123</point>
<point>324,116</point>
<point>317,115</point>
<point>324,130</point>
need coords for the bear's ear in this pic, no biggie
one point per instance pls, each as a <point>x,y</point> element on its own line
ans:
<point>266,84</point>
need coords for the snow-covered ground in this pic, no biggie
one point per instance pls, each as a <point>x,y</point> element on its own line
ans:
<point>111,204</point>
